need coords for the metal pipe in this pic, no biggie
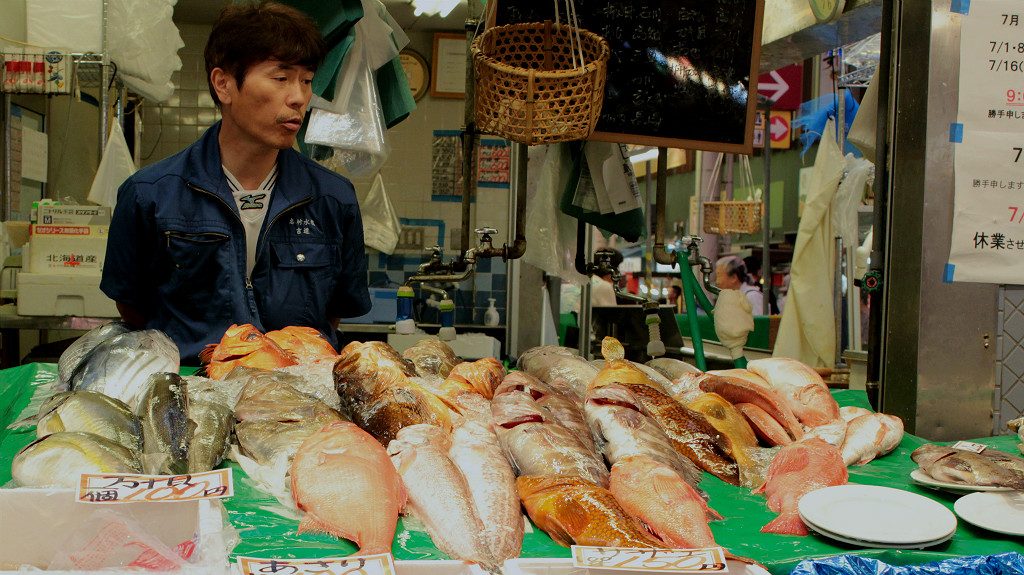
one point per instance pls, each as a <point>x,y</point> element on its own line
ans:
<point>837,300</point>
<point>585,243</point>
<point>440,278</point>
<point>7,206</point>
<point>766,218</point>
<point>469,136</point>
<point>660,253</point>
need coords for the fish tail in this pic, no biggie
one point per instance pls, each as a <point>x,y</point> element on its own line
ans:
<point>207,352</point>
<point>786,524</point>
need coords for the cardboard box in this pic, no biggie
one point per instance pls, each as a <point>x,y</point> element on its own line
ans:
<point>67,249</point>
<point>61,295</point>
<point>74,215</point>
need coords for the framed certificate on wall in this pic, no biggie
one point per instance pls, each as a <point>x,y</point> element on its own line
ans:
<point>448,72</point>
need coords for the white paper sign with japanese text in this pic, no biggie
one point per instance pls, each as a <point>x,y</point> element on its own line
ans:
<point>988,213</point>
<point>710,560</point>
<point>127,487</point>
<point>382,564</point>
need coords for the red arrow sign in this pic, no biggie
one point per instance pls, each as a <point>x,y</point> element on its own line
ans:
<point>783,87</point>
<point>779,129</point>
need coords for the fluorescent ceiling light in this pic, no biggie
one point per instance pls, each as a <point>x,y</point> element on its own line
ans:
<point>646,156</point>
<point>432,7</point>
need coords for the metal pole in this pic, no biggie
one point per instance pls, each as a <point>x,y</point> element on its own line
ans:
<point>518,158</point>
<point>6,205</point>
<point>469,138</point>
<point>104,81</point>
<point>585,317</point>
<point>837,301</point>
<point>766,219</point>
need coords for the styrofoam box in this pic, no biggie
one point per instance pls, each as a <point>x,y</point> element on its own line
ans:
<point>67,249</point>
<point>38,524</point>
<point>521,566</point>
<point>466,345</point>
<point>63,295</point>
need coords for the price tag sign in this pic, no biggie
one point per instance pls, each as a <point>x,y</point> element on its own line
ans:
<point>710,560</point>
<point>127,487</point>
<point>969,446</point>
<point>382,564</point>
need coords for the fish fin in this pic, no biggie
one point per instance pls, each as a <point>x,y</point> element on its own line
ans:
<point>44,391</point>
<point>786,524</point>
<point>311,524</point>
<point>206,354</point>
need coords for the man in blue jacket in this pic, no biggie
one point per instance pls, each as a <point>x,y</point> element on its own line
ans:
<point>238,227</point>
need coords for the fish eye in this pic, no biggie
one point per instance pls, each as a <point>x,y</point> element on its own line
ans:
<point>252,336</point>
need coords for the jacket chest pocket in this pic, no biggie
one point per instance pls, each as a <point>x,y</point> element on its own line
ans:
<point>194,250</point>
<point>301,283</point>
<point>195,268</point>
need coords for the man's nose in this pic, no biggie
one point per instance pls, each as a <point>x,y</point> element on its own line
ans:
<point>298,95</point>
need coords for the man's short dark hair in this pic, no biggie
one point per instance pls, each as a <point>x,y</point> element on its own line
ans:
<point>245,35</point>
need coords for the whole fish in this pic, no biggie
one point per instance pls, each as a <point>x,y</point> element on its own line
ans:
<point>834,433</point>
<point>557,406</point>
<point>801,387</point>
<point>305,344</point>
<point>564,370</point>
<point>439,494</point>
<point>432,357</point>
<point>58,459</point>
<point>576,512</point>
<point>742,443</point>
<point>765,427</point>
<point>686,387</point>
<point>166,428</point>
<point>1018,426</point>
<point>969,468</point>
<point>625,372</point>
<point>850,412</point>
<point>243,346</point>
<point>120,365</point>
<point>344,481</point>
<point>211,424</point>
<point>672,368</point>
<point>690,433</point>
<point>475,451</point>
<point>798,469</point>
<point>624,430</point>
<point>870,436</point>
<point>265,440</point>
<point>73,356</point>
<point>481,376</point>
<point>741,390</point>
<point>90,412</point>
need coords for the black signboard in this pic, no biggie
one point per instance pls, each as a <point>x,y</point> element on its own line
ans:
<point>682,73</point>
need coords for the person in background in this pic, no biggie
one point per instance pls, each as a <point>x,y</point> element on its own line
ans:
<point>783,292</point>
<point>238,227</point>
<point>675,297</point>
<point>602,293</point>
<point>731,273</point>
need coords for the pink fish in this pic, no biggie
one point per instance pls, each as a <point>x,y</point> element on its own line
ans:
<point>801,387</point>
<point>798,469</point>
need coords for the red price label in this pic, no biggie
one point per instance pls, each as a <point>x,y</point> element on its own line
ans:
<point>126,487</point>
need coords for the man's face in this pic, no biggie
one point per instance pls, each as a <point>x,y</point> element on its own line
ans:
<point>271,103</point>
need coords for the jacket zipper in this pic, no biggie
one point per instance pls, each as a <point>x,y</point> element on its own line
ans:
<point>216,237</point>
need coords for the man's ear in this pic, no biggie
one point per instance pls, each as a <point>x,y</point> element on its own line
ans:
<point>223,84</point>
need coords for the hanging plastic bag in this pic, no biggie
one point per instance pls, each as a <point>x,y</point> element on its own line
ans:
<point>115,167</point>
<point>553,234</point>
<point>381,227</point>
<point>144,42</point>
<point>629,225</point>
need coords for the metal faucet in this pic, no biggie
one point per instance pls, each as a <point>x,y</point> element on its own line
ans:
<point>434,290</point>
<point>692,248</point>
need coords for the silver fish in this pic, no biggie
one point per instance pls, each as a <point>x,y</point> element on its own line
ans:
<point>120,366</point>
<point>560,368</point>
<point>672,368</point>
<point>212,424</point>
<point>90,412</point>
<point>73,356</point>
<point>556,405</point>
<point>166,428</point>
<point>966,467</point>
<point>58,459</point>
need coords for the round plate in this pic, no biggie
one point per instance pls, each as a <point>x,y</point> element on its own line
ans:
<point>923,478</point>
<point>999,512</point>
<point>870,513</point>
<point>861,543</point>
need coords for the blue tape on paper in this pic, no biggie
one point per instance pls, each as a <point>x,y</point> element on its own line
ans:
<point>960,6</point>
<point>947,276</point>
<point>956,133</point>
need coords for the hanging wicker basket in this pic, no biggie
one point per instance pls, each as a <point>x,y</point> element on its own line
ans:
<point>527,88</point>
<point>732,217</point>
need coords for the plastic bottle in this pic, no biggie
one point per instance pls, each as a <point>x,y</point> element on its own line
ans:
<point>447,331</point>
<point>491,316</point>
<point>404,322</point>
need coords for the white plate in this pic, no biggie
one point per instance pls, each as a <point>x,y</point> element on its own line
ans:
<point>999,512</point>
<point>872,544</point>
<point>923,478</point>
<point>870,513</point>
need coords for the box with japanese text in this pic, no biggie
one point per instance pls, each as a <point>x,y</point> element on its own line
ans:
<point>50,214</point>
<point>61,295</point>
<point>67,249</point>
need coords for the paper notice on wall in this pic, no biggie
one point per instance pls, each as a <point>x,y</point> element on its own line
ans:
<point>988,213</point>
<point>33,155</point>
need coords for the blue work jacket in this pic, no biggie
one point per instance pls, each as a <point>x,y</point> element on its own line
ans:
<point>176,250</point>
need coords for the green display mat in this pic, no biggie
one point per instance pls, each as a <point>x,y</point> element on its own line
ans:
<point>265,534</point>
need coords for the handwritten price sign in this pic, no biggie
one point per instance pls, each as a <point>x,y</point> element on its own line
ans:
<point>127,487</point>
<point>382,564</point>
<point>710,560</point>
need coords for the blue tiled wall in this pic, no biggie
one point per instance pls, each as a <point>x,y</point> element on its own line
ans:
<point>489,281</point>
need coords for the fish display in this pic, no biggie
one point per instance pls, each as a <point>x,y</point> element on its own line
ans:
<point>344,480</point>
<point>801,387</point>
<point>851,412</point>
<point>166,428</point>
<point>625,372</point>
<point>690,433</point>
<point>741,390</point>
<point>90,412</point>
<point>58,459</point>
<point>73,356</point>
<point>211,424</point>
<point>990,468</point>
<point>439,494</point>
<point>672,368</point>
<point>377,392</point>
<point>481,376</point>
<point>577,512</point>
<point>119,366</point>
<point>243,346</point>
<point>432,357</point>
<point>798,469</point>
<point>560,368</point>
<point>537,444</point>
<point>555,405</point>
<point>832,433</point>
<point>767,429</point>
<point>1018,426</point>
<point>302,343</point>
<point>742,443</point>
<point>869,436</point>
<point>476,453</point>
<point>623,430</point>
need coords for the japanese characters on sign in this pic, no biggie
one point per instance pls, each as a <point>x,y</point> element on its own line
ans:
<point>988,215</point>
<point>710,560</point>
<point>382,564</point>
<point>127,487</point>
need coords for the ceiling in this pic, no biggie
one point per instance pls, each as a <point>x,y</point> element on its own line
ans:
<point>205,12</point>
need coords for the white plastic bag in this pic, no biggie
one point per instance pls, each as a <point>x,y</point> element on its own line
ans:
<point>552,245</point>
<point>380,221</point>
<point>115,167</point>
<point>144,42</point>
